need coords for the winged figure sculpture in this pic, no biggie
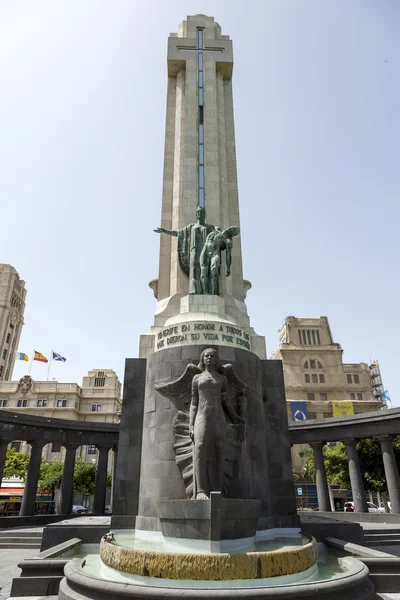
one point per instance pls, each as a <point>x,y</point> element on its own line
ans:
<point>210,424</point>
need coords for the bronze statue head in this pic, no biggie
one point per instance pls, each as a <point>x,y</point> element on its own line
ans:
<point>201,214</point>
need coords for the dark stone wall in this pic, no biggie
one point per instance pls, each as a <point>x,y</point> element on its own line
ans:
<point>282,511</point>
<point>160,476</point>
<point>127,473</point>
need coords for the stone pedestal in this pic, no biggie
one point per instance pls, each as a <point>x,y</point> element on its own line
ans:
<point>262,471</point>
<point>215,520</point>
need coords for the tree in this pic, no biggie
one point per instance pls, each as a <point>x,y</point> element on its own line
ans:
<point>336,465</point>
<point>50,475</point>
<point>16,464</point>
<point>84,477</point>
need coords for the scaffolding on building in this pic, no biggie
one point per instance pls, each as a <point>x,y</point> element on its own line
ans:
<point>377,385</point>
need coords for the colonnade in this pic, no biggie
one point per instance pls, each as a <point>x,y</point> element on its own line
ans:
<point>355,474</point>
<point>66,492</point>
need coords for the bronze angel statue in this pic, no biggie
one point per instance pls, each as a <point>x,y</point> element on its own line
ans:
<point>210,424</point>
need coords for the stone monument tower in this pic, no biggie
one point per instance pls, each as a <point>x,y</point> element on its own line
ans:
<point>203,410</point>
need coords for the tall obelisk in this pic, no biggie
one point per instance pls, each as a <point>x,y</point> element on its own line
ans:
<point>199,170</point>
<point>200,295</point>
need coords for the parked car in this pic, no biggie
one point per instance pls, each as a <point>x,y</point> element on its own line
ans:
<point>78,509</point>
<point>372,508</point>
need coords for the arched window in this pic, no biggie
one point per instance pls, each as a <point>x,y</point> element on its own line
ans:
<point>311,366</point>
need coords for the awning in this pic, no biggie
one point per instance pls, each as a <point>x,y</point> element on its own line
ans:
<point>11,491</point>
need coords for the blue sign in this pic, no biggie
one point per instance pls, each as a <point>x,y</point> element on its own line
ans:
<point>300,491</point>
<point>299,411</point>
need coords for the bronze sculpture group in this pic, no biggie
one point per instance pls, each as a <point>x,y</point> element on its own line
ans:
<point>199,252</point>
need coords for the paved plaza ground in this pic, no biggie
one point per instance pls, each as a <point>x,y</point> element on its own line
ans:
<point>9,560</point>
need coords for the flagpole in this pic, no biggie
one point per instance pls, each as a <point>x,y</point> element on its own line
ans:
<point>33,354</point>
<point>48,370</point>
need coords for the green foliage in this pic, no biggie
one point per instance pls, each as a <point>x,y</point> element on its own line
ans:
<point>16,464</point>
<point>84,477</point>
<point>50,475</point>
<point>336,465</point>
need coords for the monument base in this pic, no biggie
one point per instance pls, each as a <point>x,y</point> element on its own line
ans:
<point>214,520</point>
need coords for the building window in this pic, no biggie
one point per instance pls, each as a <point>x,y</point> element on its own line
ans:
<point>318,341</point>
<point>321,378</point>
<point>312,364</point>
<point>307,378</point>
<point>64,403</point>
<point>100,380</point>
<point>22,403</point>
<point>44,403</point>
<point>356,379</point>
<point>310,396</point>
<point>59,403</point>
<point>314,378</point>
<point>56,447</point>
<point>39,403</point>
<point>92,450</point>
<point>352,396</point>
<point>323,396</point>
<point>4,353</point>
<point>319,365</point>
<point>8,338</point>
<point>16,446</point>
<point>359,396</point>
<point>1,370</point>
<point>349,379</point>
<point>5,402</point>
<point>300,336</point>
<point>96,407</point>
<point>306,365</point>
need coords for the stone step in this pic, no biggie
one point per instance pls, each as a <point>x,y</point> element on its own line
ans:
<point>33,598</point>
<point>391,542</point>
<point>10,533</point>
<point>382,536</point>
<point>21,544</point>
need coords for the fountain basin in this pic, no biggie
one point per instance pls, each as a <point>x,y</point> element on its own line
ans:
<point>221,566</point>
<point>350,582</point>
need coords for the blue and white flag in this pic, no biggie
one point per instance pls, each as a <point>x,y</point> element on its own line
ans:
<point>58,357</point>
<point>299,411</point>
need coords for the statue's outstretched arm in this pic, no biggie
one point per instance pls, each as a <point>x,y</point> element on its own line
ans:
<point>167,231</point>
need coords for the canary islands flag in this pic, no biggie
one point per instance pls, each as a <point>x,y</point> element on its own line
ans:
<point>21,356</point>
<point>40,357</point>
<point>58,357</point>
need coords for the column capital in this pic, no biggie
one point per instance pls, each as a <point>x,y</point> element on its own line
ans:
<point>350,442</point>
<point>317,444</point>
<point>385,437</point>
<point>68,445</point>
<point>103,446</point>
<point>36,443</point>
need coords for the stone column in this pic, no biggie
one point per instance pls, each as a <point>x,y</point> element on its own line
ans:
<point>66,491</point>
<point>114,473</point>
<point>29,498</point>
<point>391,472</point>
<point>320,477</point>
<point>357,487</point>
<point>3,452</point>
<point>101,481</point>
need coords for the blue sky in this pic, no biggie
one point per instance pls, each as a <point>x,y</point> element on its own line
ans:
<point>82,112</point>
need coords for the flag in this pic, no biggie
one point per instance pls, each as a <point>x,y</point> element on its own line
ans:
<point>21,356</point>
<point>342,409</point>
<point>58,357</point>
<point>40,357</point>
<point>299,411</point>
